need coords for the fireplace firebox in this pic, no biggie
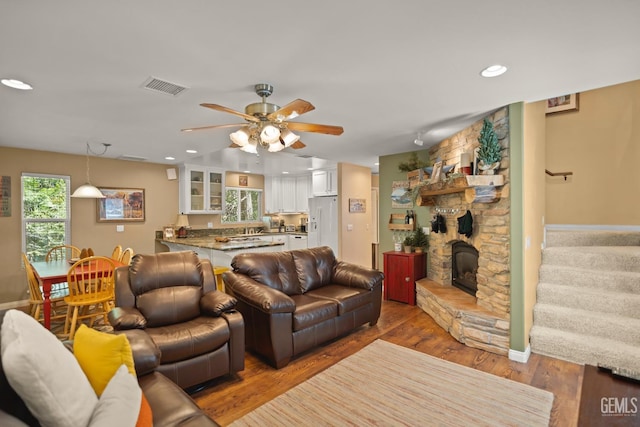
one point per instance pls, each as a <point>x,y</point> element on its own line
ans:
<point>464,266</point>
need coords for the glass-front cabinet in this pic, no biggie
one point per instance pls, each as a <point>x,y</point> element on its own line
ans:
<point>201,190</point>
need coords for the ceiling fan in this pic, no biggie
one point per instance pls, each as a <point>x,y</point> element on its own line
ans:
<point>267,125</point>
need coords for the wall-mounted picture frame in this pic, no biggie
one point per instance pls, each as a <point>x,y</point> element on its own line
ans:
<point>121,204</point>
<point>437,172</point>
<point>562,103</point>
<point>243,180</point>
<point>401,195</point>
<point>357,205</point>
<point>168,233</point>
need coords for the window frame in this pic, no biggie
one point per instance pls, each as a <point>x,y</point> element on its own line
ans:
<point>260,191</point>
<point>24,221</point>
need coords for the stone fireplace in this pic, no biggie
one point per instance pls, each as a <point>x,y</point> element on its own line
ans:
<point>477,317</point>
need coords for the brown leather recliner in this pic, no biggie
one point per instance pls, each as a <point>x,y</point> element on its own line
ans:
<point>294,300</point>
<point>172,297</point>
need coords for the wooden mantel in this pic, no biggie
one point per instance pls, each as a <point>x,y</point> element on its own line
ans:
<point>477,189</point>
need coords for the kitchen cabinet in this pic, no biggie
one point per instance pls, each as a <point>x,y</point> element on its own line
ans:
<point>325,182</point>
<point>287,194</point>
<point>401,270</point>
<point>297,241</point>
<point>201,190</point>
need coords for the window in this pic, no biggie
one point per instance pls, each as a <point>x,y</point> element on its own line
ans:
<point>242,205</point>
<point>46,214</point>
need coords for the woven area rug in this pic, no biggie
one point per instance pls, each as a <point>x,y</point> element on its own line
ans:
<point>388,385</point>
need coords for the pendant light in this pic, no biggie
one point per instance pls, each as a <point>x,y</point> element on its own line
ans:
<point>88,191</point>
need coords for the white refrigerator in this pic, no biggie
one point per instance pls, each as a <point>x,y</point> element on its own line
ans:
<point>323,223</point>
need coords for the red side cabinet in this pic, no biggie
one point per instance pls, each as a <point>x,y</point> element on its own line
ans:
<point>401,270</point>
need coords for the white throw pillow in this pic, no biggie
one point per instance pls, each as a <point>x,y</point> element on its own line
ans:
<point>44,373</point>
<point>119,404</point>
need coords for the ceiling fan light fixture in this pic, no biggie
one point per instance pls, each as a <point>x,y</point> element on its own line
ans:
<point>240,137</point>
<point>275,147</point>
<point>288,138</point>
<point>270,134</point>
<point>251,147</point>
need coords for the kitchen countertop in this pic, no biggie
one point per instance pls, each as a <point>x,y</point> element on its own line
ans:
<point>210,243</point>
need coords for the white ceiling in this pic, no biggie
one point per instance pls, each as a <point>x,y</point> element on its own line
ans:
<point>384,70</point>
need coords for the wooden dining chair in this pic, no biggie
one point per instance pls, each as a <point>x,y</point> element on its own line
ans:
<point>126,256</point>
<point>117,253</point>
<point>36,300</point>
<point>62,252</point>
<point>91,292</point>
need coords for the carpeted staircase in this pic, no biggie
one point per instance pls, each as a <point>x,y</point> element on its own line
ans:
<point>588,298</point>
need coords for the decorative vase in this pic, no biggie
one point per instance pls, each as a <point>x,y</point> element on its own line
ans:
<point>488,169</point>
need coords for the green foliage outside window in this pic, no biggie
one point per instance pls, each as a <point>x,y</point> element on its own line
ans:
<point>242,205</point>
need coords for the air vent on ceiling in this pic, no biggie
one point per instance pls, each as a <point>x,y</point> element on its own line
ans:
<point>162,86</point>
<point>133,158</point>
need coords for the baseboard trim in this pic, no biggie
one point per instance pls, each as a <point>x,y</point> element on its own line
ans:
<point>592,227</point>
<point>520,356</point>
<point>14,304</point>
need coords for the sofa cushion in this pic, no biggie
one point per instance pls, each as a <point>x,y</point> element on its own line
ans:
<point>44,373</point>
<point>348,299</point>
<point>314,267</point>
<point>311,311</point>
<point>100,355</point>
<point>170,305</point>
<point>275,269</point>
<point>190,339</point>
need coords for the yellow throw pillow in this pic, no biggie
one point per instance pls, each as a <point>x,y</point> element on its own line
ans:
<point>100,355</point>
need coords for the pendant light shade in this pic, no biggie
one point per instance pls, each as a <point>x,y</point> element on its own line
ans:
<point>240,137</point>
<point>88,191</point>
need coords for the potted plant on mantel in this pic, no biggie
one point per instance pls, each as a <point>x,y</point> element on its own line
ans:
<point>489,153</point>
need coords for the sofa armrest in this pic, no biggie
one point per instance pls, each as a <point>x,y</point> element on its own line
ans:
<point>257,295</point>
<point>126,318</point>
<point>356,276</point>
<point>215,303</point>
<point>146,354</point>
<point>236,339</point>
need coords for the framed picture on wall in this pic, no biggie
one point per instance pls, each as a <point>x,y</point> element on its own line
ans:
<point>401,195</point>
<point>121,204</point>
<point>357,205</point>
<point>168,233</point>
<point>562,103</point>
<point>243,180</point>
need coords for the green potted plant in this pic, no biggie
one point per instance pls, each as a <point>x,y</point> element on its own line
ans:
<point>420,240</point>
<point>408,243</point>
<point>489,154</point>
<point>412,163</point>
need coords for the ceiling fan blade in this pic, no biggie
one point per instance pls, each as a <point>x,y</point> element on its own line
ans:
<point>214,127</point>
<point>297,145</point>
<point>291,110</point>
<point>312,127</point>
<point>234,145</point>
<point>230,111</point>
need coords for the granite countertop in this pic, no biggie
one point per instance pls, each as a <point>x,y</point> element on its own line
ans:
<point>210,243</point>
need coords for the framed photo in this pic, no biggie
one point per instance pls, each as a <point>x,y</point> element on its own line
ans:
<point>437,172</point>
<point>401,195</point>
<point>357,205</point>
<point>168,233</point>
<point>121,204</point>
<point>562,103</point>
<point>243,180</point>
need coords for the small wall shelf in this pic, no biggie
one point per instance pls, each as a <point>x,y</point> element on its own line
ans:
<point>477,189</point>
<point>396,222</point>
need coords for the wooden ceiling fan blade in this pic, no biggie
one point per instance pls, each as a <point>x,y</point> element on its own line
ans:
<point>313,127</point>
<point>291,110</point>
<point>230,111</point>
<point>234,145</point>
<point>297,145</point>
<point>214,127</point>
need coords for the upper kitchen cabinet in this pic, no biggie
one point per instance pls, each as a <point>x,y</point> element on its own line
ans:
<point>201,190</point>
<point>287,194</point>
<point>325,182</point>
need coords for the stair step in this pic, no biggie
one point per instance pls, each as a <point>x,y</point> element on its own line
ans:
<point>589,299</point>
<point>584,349</point>
<point>556,238</point>
<point>620,281</point>
<point>595,324</point>
<point>621,258</point>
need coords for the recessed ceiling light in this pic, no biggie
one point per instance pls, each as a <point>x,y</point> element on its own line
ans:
<point>192,151</point>
<point>169,158</point>
<point>493,71</point>
<point>16,84</point>
<point>285,172</point>
<point>376,164</point>
<point>309,169</point>
<point>246,171</point>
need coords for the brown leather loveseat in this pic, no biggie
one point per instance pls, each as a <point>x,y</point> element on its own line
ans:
<point>172,298</point>
<point>294,300</point>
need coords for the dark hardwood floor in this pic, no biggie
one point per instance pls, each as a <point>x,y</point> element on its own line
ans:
<point>227,399</point>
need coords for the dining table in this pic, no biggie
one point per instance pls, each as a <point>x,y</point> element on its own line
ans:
<point>51,273</point>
